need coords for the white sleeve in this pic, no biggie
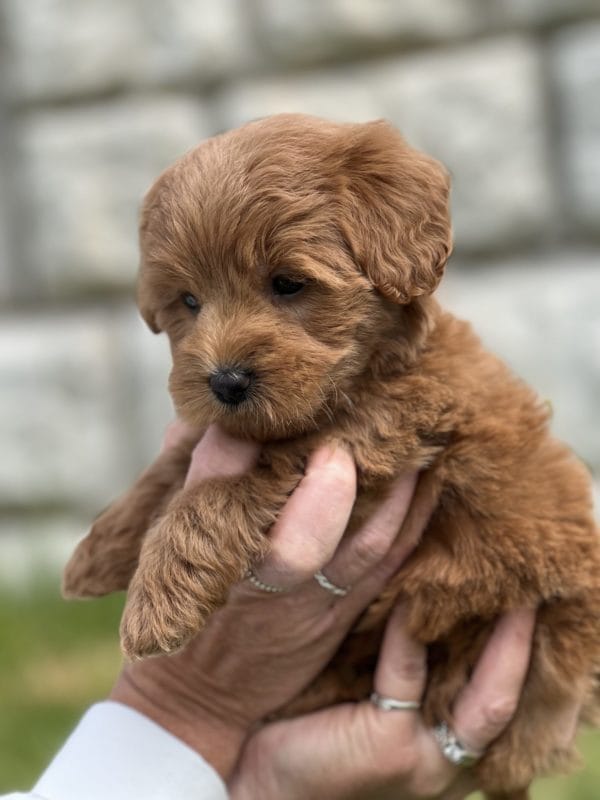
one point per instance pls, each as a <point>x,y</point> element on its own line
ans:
<point>115,753</point>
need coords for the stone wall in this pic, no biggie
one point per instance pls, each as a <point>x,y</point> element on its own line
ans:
<point>98,96</point>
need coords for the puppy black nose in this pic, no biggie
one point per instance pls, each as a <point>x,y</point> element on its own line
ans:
<point>230,385</point>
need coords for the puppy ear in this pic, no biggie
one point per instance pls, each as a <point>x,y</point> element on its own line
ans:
<point>144,302</point>
<point>395,216</point>
<point>149,318</point>
<point>148,281</point>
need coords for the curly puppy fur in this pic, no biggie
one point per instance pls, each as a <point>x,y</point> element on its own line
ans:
<point>363,354</point>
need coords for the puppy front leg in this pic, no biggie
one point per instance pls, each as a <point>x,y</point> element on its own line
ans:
<point>204,544</point>
<point>106,558</point>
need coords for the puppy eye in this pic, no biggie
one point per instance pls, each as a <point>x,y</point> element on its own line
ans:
<point>286,286</point>
<point>191,302</point>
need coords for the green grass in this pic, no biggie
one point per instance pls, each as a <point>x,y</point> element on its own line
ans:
<point>57,658</point>
<point>584,785</point>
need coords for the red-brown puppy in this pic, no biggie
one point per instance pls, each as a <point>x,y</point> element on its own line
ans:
<point>291,264</point>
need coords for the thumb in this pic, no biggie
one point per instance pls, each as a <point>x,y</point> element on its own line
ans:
<point>218,454</point>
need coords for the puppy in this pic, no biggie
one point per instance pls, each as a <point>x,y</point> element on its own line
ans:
<point>291,264</point>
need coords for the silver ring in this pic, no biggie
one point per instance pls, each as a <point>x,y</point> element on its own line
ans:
<point>264,587</point>
<point>326,584</point>
<point>452,749</point>
<point>391,704</point>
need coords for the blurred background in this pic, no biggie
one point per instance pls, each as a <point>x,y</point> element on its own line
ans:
<point>98,96</point>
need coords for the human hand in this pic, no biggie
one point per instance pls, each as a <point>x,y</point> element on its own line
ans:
<point>356,750</point>
<point>261,649</point>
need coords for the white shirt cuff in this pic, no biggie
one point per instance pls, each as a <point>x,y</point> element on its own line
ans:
<point>116,753</point>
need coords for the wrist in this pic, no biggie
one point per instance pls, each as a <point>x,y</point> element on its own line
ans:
<point>216,740</point>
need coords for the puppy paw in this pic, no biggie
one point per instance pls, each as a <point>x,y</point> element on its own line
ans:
<point>103,562</point>
<point>82,579</point>
<point>157,621</point>
<point>171,595</point>
<point>188,562</point>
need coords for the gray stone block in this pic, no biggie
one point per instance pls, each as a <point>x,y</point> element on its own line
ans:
<point>479,109</point>
<point>576,70</point>
<point>84,172</point>
<point>540,11</point>
<point>66,47</point>
<point>542,316</point>
<point>83,406</point>
<point>305,30</point>
<point>59,411</point>
<point>145,364</point>
<point>192,42</point>
<point>5,270</point>
<point>345,95</point>
<point>62,48</point>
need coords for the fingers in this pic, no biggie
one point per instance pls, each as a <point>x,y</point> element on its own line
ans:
<point>402,667</point>
<point>216,454</point>
<point>220,455</point>
<point>313,520</point>
<point>308,535</point>
<point>482,710</point>
<point>486,705</point>
<point>396,525</point>
<point>372,542</point>
<point>178,432</point>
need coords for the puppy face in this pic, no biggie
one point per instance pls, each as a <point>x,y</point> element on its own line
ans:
<point>278,257</point>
